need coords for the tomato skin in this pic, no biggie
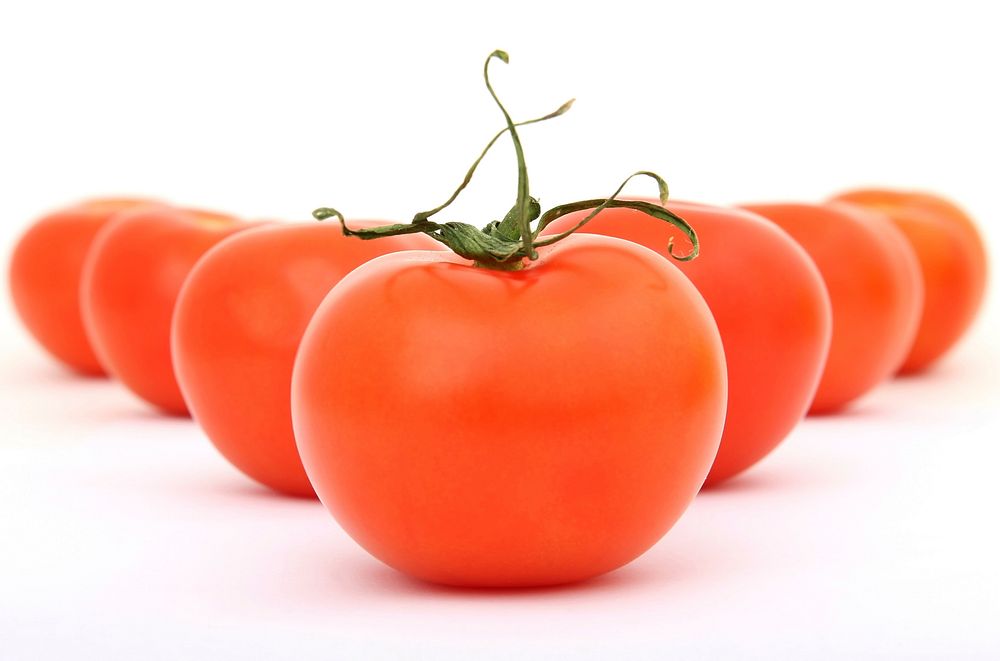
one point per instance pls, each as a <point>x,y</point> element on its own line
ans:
<point>771,307</point>
<point>482,428</point>
<point>952,260</point>
<point>237,325</point>
<point>131,279</point>
<point>875,287</point>
<point>45,272</point>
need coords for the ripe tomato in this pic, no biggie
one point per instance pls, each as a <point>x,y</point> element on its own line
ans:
<point>472,426</point>
<point>771,307</point>
<point>131,278</point>
<point>875,287</point>
<point>237,325</point>
<point>45,279</point>
<point>952,260</point>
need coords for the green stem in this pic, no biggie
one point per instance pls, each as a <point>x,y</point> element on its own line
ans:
<point>505,244</point>
<point>519,225</point>
<point>656,211</point>
<point>424,215</point>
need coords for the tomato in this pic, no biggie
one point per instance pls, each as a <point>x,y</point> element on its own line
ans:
<point>524,410</point>
<point>237,325</point>
<point>473,426</point>
<point>131,279</point>
<point>45,279</point>
<point>952,261</point>
<point>771,307</point>
<point>875,287</point>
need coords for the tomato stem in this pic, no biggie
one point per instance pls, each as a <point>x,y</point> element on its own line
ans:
<point>424,215</point>
<point>505,244</point>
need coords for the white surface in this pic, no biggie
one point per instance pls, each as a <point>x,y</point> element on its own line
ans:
<point>869,534</point>
<point>124,535</point>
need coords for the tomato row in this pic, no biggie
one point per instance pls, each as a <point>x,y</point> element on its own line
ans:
<point>540,403</point>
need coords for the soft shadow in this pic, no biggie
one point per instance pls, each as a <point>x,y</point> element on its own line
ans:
<point>142,412</point>
<point>386,580</point>
<point>942,369</point>
<point>764,480</point>
<point>343,576</point>
<point>742,483</point>
<point>859,409</point>
<point>244,489</point>
<point>47,374</point>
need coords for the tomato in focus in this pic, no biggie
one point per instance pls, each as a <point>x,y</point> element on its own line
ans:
<point>237,325</point>
<point>478,427</point>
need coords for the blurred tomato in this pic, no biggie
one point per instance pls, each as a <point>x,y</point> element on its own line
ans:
<point>771,307</point>
<point>131,279</point>
<point>237,326</point>
<point>875,288</point>
<point>952,260</point>
<point>45,278</point>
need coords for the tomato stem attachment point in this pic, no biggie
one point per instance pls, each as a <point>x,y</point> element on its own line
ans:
<point>506,244</point>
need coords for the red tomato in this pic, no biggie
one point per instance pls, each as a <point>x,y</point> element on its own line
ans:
<point>952,260</point>
<point>45,279</point>
<point>771,307</point>
<point>875,290</point>
<point>237,325</point>
<point>478,427</point>
<point>131,278</point>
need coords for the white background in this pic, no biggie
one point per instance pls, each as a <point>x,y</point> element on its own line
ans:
<point>124,535</point>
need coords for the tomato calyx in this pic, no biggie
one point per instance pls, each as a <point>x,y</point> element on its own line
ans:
<point>505,244</point>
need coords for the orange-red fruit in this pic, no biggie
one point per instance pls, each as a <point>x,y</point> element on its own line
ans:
<point>952,260</point>
<point>45,272</point>
<point>237,326</point>
<point>131,279</point>
<point>875,288</point>
<point>494,428</point>
<point>771,307</point>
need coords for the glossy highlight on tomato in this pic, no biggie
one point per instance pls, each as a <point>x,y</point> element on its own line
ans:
<point>875,287</point>
<point>45,272</point>
<point>237,325</point>
<point>481,427</point>
<point>952,260</point>
<point>130,283</point>
<point>770,304</point>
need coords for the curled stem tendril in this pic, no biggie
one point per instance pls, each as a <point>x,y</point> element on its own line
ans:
<point>505,244</point>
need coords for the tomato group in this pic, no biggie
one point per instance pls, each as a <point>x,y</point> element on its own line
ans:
<point>473,426</point>
<point>875,288</point>
<point>237,326</point>
<point>45,272</point>
<point>131,278</point>
<point>770,304</point>
<point>952,261</point>
<point>536,405</point>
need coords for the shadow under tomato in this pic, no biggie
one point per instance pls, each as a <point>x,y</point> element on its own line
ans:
<point>388,579</point>
<point>245,488</point>
<point>44,372</point>
<point>329,574</point>
<point>668,565</point>
<point>859,409</point>
<point>65,385</point>
<point>764,479</point>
